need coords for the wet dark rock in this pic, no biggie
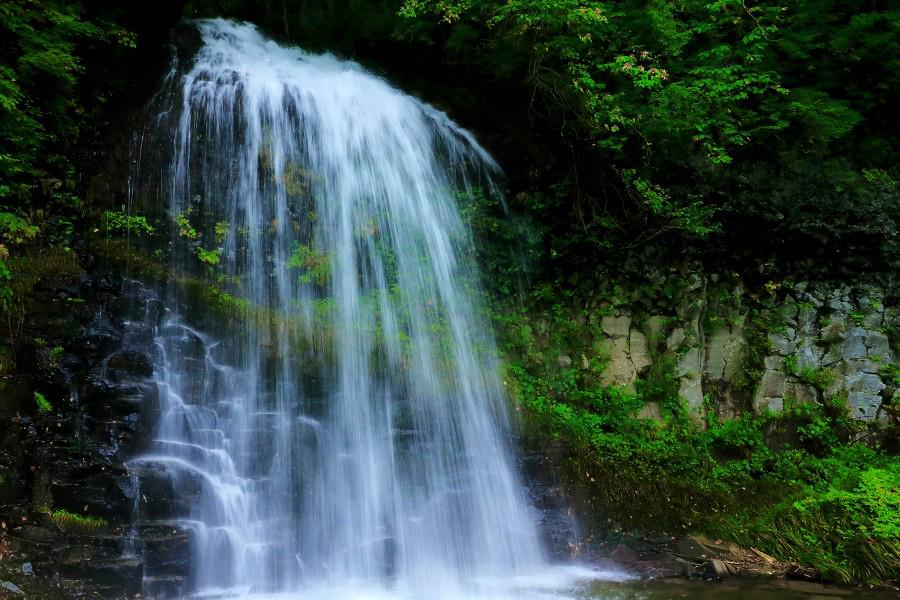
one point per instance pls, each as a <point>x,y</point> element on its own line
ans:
<point>99,389</point>
<point>100,494</point>
<point>166,490</point>
<point>35,533</point>
<point>624,554</point>
<point>128,365</point>
<point>124,574</point>
<point>163,586</point>
<point>661,568</point>
<point>101,336</point>
<point>717,570</point>
<point>557,524</point>
<point>166,549</point>
<point>187,41</point>
<point>103,399</point>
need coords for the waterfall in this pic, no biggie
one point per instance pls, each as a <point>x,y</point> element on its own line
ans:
<point>336,420</point>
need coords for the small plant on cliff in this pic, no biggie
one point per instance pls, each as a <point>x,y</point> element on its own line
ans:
<point>821,378</point>
<point>55,353</point>
<point>790,364</point>
<point>890,374</point>
<point>43,405</point>
<point>209,257</point>
<point>77,524</point>
<point>185,229</point>
<point>315,267</point>
<point>221,230</point>
<point>121,222</point>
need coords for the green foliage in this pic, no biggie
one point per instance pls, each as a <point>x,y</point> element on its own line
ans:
<point>123,223</point>
<point>838,511</point>
<point>185,229</point>
<point>27,269</point>
<point>722,120</point>
<point>55,353</point>
<point>209,257</point>
<point>661,384</point>
<point>43,405</point>
<point>6,290</point>
<point>221,231</point>
<point>15,229</point>
<point>507,244</point>
<point>124,255</point>
<point>857,317</point>
<point>790,364</point>
<point>76,524</point>
<point>218,300</point>
<point>40,112</point>
<point>792,484</point>
<point>43,114</point>
<point>845,525</point>
<point>314,266</point>
<point>821,378</point>
<point>890,373</point>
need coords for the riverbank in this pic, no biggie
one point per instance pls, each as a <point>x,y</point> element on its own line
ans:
<point>692,404</point>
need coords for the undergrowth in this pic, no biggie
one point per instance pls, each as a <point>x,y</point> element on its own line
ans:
<point>77,524</point>
<point>823,502</point>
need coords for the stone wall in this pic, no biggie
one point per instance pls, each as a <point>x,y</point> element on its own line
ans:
<point>737,352</point>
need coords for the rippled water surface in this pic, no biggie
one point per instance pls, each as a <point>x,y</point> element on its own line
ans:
<point>676,589</point>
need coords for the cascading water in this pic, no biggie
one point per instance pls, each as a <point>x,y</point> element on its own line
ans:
<point>343,427</point>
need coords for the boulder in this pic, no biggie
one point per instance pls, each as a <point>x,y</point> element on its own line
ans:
<point>725,350</point>
<point>638,350</point>
<point>619,370</point>
<point>877,344</point>
<point>772,385</point>
<point>616,326</point>
<point>863,406</point>
<point>675,339</point>
<point>808,355</point>
<point>854,344</point>
<point>783,344</point>
<point>866,383</point>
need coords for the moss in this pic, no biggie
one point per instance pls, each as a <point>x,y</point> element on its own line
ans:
<point>76,524</point>
<point>43,405</point>
<point>125,256</point>
<point>36,264</point>
<point>821,378</point>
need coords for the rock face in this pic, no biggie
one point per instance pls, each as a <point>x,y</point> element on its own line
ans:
<point>739,353</point>
<point>67,503</point>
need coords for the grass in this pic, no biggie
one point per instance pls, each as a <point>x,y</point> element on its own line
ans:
<point>821,502</point>
<point>78,524</point>
<point>43,405</point>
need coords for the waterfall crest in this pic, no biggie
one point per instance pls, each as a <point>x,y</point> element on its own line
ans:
<point>348,427</point>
